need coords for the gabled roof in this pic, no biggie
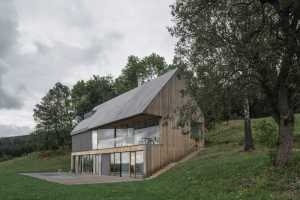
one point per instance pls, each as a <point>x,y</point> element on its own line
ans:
<point>127,105</point>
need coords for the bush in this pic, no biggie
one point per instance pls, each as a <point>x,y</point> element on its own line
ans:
<point>267,133</point>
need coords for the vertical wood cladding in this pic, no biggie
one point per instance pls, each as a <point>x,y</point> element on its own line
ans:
<point>174,143</point>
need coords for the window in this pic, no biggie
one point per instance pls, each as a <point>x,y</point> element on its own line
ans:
<point>115,164</point>
<point>143,133</point>
<point>106,138</point>
<point>147,135</point>
<point>125,164</point>
<point>86,164</point>
<point>132,164</point>
<point>139,164</point>
<point>124,137</point>
<point>94,139</point>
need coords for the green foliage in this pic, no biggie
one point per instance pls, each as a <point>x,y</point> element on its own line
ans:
<point>233,131</point>
<point>237,43</point>
<point>145,69</point>
<point>54,117</point>
<point>267,133</point>
<point>88,94</point>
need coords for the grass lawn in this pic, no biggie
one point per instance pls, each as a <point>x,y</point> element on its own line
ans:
<point>221,171</point>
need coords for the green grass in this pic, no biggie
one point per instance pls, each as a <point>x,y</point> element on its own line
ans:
<point>232,132</point>
<point>297,124</point>
<point>221,171</point>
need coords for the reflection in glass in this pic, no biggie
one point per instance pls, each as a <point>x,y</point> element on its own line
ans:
<point>124,137</point>
<point>110,138</point>
<point>139,166</point>
<point>147,135</point>
<point>85,164</point>
<point>132,164</point>
<point>125,164</point>
<point>106,138</point>
<point>115,164</point>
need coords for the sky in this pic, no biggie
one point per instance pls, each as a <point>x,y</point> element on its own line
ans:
<point>43,42</point>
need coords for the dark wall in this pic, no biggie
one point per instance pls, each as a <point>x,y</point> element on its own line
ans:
<point>82,142</point>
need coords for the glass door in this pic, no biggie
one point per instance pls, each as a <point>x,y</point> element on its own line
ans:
<point>139,164</point>
<point>125,164</point>
<point>132,164</point>
<point>115,164</point>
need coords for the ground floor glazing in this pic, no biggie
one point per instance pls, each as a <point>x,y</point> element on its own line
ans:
<point>125,164</point>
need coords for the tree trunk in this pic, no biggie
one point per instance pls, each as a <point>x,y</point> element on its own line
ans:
<point>285,143</point>
<point>248,143</point>
<point>286,128</point>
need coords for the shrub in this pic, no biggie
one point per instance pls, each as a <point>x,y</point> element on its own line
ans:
<point>267,133</point>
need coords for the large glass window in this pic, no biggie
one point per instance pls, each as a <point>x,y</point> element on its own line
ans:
<point>125,164</point>
<point>115,164</point>
<point>106,138</point>
<point>124,137</point>
<point>139,163</point>
<point>132,164</point>
<point>144,133</point>
<point>95,139</point>
<point>149,135</point>
<point>85,164</point>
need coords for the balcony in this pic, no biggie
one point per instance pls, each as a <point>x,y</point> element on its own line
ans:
<point>115,138</point>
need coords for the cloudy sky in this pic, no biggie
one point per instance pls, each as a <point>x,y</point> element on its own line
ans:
<point>42,42</point>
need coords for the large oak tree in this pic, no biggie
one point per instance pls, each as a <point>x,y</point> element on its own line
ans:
<point>256,41</point>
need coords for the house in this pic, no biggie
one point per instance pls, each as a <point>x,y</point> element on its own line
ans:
<point>139,132</point>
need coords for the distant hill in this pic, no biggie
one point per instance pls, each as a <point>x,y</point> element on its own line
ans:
<point>15,146</point>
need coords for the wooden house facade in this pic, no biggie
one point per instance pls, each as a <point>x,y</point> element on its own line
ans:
<point>139,132</point>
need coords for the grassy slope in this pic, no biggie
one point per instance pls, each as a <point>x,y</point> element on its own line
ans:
<point>232,133</point>
<point>221,171</point>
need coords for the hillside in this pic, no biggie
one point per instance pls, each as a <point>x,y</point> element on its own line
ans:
<point>221,171</point>
<point>15,146</point>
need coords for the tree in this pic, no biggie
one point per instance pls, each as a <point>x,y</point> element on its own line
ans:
<point>146,68</point>
<point>54,116</point>
<point>87,95</point>
<point>257,41</point>
<point>129,75</point>
<point>222,100</point>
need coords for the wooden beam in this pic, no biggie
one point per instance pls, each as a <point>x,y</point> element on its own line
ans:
<point>111,150</point>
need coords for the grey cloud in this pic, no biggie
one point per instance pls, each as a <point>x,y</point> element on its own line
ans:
<point>9,130</point>
<point>8,24</point>
<point>8,42</point>
<point>42,43</point>
<point>7,100</point>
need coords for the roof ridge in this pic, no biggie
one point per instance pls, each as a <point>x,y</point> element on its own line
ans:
<point>174,71</point>
<point>160,77</point>
<point>128,104</point>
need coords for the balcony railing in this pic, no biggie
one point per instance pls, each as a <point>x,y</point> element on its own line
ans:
<point>110,138</point>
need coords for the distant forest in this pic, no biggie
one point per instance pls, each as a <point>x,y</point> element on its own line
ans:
<point>15,146</point>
